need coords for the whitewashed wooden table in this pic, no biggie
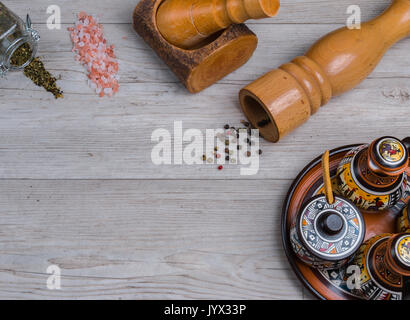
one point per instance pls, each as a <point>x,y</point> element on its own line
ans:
<point>78,188</point>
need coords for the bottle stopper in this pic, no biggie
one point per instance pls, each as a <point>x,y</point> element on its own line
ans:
<point>388,156</point>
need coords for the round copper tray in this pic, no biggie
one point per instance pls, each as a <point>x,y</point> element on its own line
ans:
<point>324,285</point>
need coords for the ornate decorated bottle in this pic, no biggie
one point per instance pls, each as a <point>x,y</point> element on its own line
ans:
<point>374,176</point>
<point>326,236</point>
<point>384,263</point>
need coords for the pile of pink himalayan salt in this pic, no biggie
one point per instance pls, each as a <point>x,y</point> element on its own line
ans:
<point>92,51</point>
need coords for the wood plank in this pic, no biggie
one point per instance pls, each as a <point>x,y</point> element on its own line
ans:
<point>157,238</point>
<point>85,137</point>
<point>298,11</point>
<point>144,239</point>
<point>278,44</point>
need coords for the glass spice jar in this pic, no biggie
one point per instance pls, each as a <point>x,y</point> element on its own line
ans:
<point>13,34</point>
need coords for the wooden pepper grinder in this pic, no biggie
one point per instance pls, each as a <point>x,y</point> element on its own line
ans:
<point>374,176</point>
<point>384,262</point>
<point>285,98</point>
<point>186,24</point>
<point>201,41</point>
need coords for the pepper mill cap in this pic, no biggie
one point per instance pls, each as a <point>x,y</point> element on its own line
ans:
<point>398,253</point>
<point>389,156</point>
<point>330,232</point>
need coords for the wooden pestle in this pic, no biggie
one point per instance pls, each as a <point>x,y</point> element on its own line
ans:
<point>284,98</point>
<point>187,23</point>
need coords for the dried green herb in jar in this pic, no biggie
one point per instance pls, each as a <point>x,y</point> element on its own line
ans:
<point>18,41</point>
<point>35,70</point>
<point>21,55</point>
<point>6,19</point>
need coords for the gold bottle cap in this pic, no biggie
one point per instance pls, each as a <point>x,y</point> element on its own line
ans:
<point>388,156</point>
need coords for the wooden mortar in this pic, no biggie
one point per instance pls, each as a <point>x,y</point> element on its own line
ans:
<point>186,24</point>
<point>208,61</point>
<point>285,98</point>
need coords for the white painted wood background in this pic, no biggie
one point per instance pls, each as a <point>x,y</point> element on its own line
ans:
<point>78,188</point>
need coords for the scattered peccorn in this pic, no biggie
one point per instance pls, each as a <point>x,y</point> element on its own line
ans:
<point>230,138</point>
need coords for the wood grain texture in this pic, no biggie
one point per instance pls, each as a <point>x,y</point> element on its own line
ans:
<point>83,136</point>
<point>144,239</point>
<point>118,11</point>
<point>121,227</point>
<point>188,26</point>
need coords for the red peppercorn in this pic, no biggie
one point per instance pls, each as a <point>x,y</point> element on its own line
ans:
<point>220,167</point>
